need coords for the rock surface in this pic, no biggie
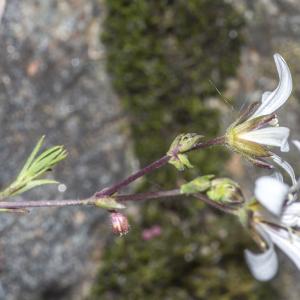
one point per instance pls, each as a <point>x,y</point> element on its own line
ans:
<point>53,82</point>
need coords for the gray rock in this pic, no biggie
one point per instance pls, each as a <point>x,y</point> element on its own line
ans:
<point>53,82</point>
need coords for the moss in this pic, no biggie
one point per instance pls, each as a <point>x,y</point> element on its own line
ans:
<point>198,255</point>
<point>161,56</point>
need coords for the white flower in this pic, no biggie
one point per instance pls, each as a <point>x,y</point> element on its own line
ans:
<point>263,266</point>
<point>270,136</point>
<point>288,242</point>
<point>286,166</point>
<point>257,128</point>
<point>271,101</point>
<point>271,193</point>
<point>291,215</point>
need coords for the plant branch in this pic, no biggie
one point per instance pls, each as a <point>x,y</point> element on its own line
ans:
<point>119,198</point>
<point>217,205</point>
<point>213,142</point>
<point>88,201</point>
<point>153,166</point>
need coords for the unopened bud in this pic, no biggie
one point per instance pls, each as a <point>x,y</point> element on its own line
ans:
<point>226,191</point>
<point>197,185</point>
<point>119,222</point>
<point>182,143</point>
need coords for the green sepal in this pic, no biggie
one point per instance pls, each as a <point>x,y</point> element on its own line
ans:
<point>180,162</point>
<point>184,142</point>
<point>109,203</point>
<point>197,185</point>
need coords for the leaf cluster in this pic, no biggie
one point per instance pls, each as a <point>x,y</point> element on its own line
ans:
<point>34,168</point>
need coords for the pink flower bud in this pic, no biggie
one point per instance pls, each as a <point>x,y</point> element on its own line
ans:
<point>119,223</point>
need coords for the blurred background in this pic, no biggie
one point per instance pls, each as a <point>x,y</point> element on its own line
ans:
<point>115,82</point>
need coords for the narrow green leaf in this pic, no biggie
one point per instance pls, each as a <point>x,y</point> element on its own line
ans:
<point>14,210</point>
<point>32,184</point>
<point>31,157</point>
<point>34,168</point>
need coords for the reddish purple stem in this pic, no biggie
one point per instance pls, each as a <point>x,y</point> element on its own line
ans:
<point>155,165</point>
<point>116,187</point>
<point>113,189</point>
<point>120,198</point>
<point>88,201</point>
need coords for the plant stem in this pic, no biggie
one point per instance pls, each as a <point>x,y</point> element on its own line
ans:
<point>214,204</point>
<point>213,142</point>
<point>153,166</point>
<point>123,183</point>
<point>89,201</point>
<point>120,198</point>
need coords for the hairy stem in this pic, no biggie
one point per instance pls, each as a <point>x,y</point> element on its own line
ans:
<point>88,201</point>
<point>119,198</point>
<point>214,204</point>
<point>153,166</point>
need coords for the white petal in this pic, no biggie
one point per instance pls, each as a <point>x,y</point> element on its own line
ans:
<point>291,215</point>
<point>286,166</point>
<point>2,8</point>
<point>271,101</point>
<point>288,243</point>
<point>297,144</point>
<point>277,175</point>
<point>265,96</point>
<point>271,136</point>
<point>263,266</point>
<point>271,193</point>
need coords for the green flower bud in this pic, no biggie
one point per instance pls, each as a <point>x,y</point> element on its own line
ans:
<point>182,143</point>
<point>225,190</point>
<point>198,185</point>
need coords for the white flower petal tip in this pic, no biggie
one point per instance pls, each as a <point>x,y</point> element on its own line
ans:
<point>263,266</point>
<point>286,166</point>
<point>271,193</point>
<point>270,136</point>
<point>297,144</point>
<point>271,101</point>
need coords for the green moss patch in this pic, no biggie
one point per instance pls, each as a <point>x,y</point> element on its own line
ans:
<point>161,56</point>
